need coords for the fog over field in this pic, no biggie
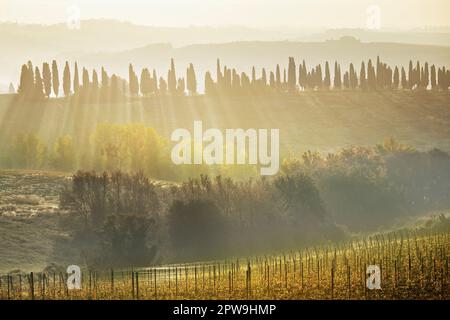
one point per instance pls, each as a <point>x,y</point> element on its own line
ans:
<point>224,149</point>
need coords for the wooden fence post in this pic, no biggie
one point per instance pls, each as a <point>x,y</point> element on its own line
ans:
<point>32,285</point>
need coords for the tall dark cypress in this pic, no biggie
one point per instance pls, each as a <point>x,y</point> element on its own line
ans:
<point>218,72</point>
<point>362,77</point>
<point>172,78</point>
<point>396,78</point>
<point>191,80</point>
<point>425,80</point>
<point>154,82</point>
<point>66,80</point>
<point>410,75</point>
<point>133,81</point>
<point>327,79</point>
<point>38,84</point>
<point>47,79</point>
<point>55,78</point>
<point>337,76</point>
<point>292,77</point>
<point>209,83</point>
<point>76,80</point>
<point>353,80</point>
<point>24,85</point>
<point>278,77</point>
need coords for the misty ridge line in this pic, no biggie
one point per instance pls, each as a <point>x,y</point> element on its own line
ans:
<point>264,31</point>
<point>36,84</point>
<point>97,46</point>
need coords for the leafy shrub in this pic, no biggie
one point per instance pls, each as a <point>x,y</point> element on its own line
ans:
<point>197,229</point>
<point>118,214</point>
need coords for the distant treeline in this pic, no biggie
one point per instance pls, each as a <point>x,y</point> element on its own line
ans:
<point>90,87</point>
<point>124,218</point>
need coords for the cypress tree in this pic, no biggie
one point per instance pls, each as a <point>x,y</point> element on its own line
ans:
<point>362,77</point>
<point>95,83</point>
<point>305,74</point>
<point>387,76</point>
<point>236,85</point>
<point>327,80</point>
<point>133,82</point>
<point>76,80</point>
<point>272,80</point>
<point>31,75</point>
<point>47,79</point>
<point>319,78</point>
<point>278,77</point>
<point>396,78</point>
<point>380,76</point>
<point>181,86</point>
<point>66,80</point>
<point>115,88</point>
<point>245,83</point>
<point>346,80</point>
<point>253,75</point>
<point>145,83</point>
<point>162,86</point>
<point>300,71</point>
<point>353,77</point>
<point>171,78</point>
<point>24,84</point>
<point>426,76</point>
<point>85,85</point>
<point>337,76</point>
<point>154,82</point>
<point>417,77</point>
<point>191,80</point>
<point>38,85</point>
<point>105,86</point>
<point>85,79</point>
<point>410,75</point>
<point>264,77</point>
<point>292,77</point>
<point>312,79</point>
<point>94,87</point>
<point>227,79</point>
<point>371,77</point>
<point>219,72</point>
<point>209,82</point>
<point>55,78</point>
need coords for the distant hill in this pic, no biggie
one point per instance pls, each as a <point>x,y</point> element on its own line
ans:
<point>244,55</point>
<point>115,44</point>
<point>435,36</point>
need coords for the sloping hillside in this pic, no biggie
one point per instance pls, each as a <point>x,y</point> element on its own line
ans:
<point>322,121</point>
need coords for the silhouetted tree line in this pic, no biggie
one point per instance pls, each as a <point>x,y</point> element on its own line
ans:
<point>36,85</point>
<point>315,198</point>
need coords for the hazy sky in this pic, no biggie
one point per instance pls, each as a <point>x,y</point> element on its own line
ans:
<point>254,13</point>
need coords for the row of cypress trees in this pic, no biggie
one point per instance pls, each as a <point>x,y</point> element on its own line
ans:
<point>35,84</point>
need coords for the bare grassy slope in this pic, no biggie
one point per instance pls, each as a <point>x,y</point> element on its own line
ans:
<point>322,121</point>
<point>29,220</point>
